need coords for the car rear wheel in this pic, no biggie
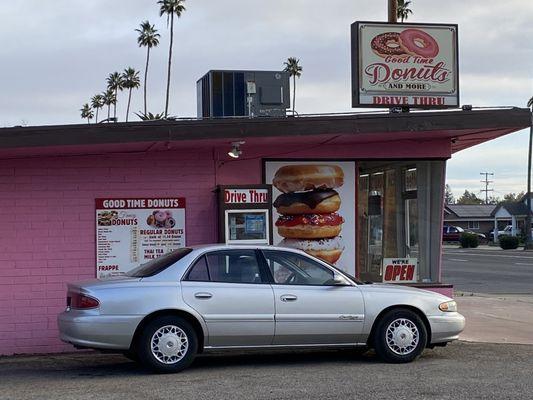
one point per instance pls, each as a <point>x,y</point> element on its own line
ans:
<point>400,336</point>
<point>167,344</point>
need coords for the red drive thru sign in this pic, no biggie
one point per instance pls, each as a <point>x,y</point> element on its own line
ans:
<point>404,65</point>
<point>400,270</point>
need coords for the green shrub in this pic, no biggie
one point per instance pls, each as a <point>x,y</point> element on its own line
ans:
<point>509,242</point>
<point>469,240</point>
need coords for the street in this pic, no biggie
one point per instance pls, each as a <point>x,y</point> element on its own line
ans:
<point>488,271</point>
<point>461,370</point>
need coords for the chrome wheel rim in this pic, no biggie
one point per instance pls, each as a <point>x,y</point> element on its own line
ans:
<point>402,336</point>
<point>169,344</point>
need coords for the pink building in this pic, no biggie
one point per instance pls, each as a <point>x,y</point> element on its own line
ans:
<point>50,177</point>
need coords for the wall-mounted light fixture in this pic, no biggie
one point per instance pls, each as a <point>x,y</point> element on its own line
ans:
<point>235,149</point>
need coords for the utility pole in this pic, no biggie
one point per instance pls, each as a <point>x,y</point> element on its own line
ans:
<point>529,232</point>
<point>487,182</point>
<point>393,11</point>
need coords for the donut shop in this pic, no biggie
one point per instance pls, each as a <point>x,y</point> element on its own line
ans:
<point>363,191</point>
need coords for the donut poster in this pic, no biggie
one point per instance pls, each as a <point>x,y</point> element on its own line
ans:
<point>314,208</point>
<point>132,231</point>
<point>413,65</point>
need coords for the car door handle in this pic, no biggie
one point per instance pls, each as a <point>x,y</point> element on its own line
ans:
<point>288,297</point>
<point>203,295</point>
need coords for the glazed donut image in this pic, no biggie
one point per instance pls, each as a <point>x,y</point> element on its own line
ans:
<point>331,256</point>
<point>298,178</point>
<point>387,44</point>
<point>419,43</point>
<point>309,226</point>
<point>319,244</point>
<point>313,202</point>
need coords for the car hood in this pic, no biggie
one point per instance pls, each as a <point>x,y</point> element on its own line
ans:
<point>391,287</point>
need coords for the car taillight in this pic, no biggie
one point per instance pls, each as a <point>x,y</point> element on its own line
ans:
<point>81,301</point>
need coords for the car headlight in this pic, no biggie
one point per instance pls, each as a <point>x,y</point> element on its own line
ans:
<point>448,306</point>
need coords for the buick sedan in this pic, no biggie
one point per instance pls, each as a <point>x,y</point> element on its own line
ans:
<point>197,299</point>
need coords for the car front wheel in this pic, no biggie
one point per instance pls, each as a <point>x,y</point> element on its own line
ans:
<point>168,344</point>
<point>400,336</point>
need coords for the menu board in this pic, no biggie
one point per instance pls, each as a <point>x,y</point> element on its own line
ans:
<point>132,231</point>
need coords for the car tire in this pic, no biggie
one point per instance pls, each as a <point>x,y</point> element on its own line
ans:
<point>131,355</point>
<point>167,344</point>
<point>400,336</point>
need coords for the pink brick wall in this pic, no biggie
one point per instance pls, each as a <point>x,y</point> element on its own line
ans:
<point>47,225</point>
<point>47,217</point>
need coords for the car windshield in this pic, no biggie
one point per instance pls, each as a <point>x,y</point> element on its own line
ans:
<point>159,264</point>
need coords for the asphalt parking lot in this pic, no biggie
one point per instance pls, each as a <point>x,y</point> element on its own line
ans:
<point>488,271</point>
<point>461,370</point>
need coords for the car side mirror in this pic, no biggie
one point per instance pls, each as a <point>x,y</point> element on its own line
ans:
<point>339,280</point>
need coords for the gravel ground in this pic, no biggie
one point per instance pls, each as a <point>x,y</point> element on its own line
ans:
<point>461,370</point>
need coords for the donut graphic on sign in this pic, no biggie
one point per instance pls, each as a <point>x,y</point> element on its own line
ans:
<point>409,42</point>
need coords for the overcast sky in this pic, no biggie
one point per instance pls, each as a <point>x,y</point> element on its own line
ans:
<point>56,54</point>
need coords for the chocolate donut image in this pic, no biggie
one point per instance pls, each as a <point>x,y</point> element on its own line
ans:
<point>387,44</point>
<point>313,202</point>
<point>298,178</point>
<point>419,43</point>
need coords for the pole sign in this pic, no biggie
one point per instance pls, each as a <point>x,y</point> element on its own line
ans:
<point>132,231</point>
<point>404,65</point>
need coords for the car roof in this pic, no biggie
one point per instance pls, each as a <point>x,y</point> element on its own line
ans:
<point>223,246</point>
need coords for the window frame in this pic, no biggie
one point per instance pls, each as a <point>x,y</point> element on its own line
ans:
<point>312,259</point>
<point>265,277</point>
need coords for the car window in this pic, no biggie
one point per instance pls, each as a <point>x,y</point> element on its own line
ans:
<point>295,269</point>
<point>236,266</point>
<point>159,264</point>
<point>199,271</point>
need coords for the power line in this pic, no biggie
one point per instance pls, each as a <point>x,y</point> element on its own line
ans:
<point>487,182</point>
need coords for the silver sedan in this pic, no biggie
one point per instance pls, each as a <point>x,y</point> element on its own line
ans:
<point>201,298</point>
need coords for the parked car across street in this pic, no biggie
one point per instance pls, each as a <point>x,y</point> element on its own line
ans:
<point>233,297</point>
<point>453,234</point>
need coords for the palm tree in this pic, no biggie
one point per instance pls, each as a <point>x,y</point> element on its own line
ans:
<point>114,82</point>
<point>170,8</point>
<point>109,99</point>
<point>97,102</point>
<point>130,81</point>
<point>404,10</point>
<point>148,37</point>
<point>294,70</point>
<point>87,112</point>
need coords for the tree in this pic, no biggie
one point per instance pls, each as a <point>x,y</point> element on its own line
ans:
<point>115,83</point>
<point>109,99</point>
<point>529,238</point>
<point>87,112</point>
<point>404,10</point>
<point>148,37</point>
<point>97,102</point>
<point>171,8</point>
<point>130,81</point>
<point>512,197</point>
<point>295,70</point>
<point>448,195</point>
<point>469,198</point>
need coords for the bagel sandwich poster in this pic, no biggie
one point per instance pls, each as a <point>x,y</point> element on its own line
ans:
<point>314,208</point>
<point>133,231</point>
<point>395,65</point>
